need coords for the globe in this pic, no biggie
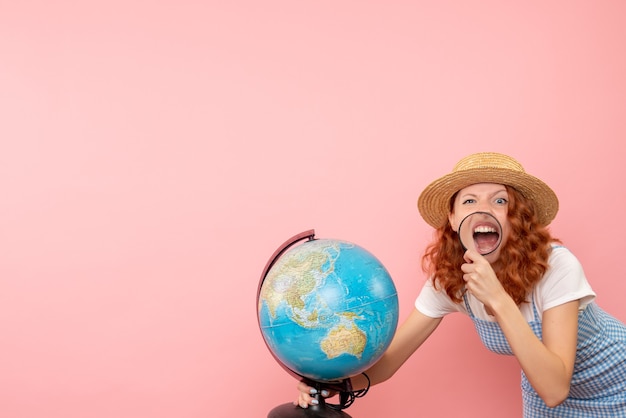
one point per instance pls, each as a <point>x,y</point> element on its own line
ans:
<point>327,309</point>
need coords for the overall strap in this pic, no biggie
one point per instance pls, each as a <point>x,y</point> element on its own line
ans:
<point>535,311</point>
<point>467,305</point>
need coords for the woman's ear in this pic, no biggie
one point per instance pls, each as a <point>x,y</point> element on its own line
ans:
<point>452,221</point>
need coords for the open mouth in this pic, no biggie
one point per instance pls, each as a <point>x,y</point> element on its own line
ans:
<point>486,237</point>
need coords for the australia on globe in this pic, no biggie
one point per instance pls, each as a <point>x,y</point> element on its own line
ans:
<point>327,309</point>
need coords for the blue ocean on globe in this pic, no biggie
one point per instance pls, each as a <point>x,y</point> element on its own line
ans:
<point>327,309</point>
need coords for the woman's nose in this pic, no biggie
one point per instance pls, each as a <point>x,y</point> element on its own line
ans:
<point>484,207</point>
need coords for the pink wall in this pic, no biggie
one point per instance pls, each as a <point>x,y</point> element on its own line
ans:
<point>154,154</point>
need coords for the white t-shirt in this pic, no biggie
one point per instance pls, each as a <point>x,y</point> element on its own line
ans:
<point>563,282</point>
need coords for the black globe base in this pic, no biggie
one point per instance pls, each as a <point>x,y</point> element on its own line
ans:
<point>290,410</point>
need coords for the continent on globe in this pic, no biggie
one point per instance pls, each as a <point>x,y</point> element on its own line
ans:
<point>292,280</point>
<point>344,339</point>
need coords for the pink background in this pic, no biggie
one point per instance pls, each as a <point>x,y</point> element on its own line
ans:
<point>155,153</point>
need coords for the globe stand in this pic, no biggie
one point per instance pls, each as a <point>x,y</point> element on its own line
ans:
<point>321,410</point>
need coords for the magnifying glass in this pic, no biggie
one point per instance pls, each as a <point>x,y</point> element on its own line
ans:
<point>480,231</point>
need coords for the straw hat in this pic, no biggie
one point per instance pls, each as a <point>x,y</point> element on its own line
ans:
<point>485,167</point>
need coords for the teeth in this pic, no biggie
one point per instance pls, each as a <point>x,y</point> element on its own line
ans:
<point>484,229</point>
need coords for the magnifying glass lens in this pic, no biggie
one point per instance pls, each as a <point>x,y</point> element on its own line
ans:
<point>481,232</point>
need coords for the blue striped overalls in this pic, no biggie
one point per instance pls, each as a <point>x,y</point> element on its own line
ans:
<point>598,387</point>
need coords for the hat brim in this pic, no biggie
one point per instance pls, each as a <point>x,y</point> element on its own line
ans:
<point>434,202</point>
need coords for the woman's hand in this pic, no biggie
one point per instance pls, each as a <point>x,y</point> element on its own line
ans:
<point>308,395</point>
<point>480,279</point>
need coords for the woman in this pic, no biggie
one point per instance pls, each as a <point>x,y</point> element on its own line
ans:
<point>528,298</point>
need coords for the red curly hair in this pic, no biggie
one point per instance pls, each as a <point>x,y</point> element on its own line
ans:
<point>523,259</point>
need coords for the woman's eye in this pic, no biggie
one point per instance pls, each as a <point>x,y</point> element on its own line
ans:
<point>501,201</point>
<point>468,201</point>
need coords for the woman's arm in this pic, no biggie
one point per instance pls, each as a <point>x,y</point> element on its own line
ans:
<point>548,364</point>
<point>409,336</point>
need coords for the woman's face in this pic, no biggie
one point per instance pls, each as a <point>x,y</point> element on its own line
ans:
<point>483,197</point>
